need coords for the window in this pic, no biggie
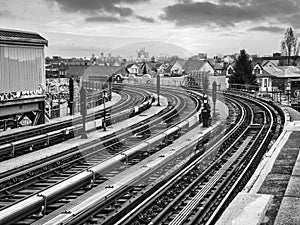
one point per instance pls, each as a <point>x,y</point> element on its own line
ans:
<point>256,70</point>
<point>265,82</point>
<point>230,71</point>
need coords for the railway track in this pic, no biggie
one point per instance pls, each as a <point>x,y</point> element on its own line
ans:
<point>137,183</point>
<point>20,196</point>
<point>48,135</point>
<point>199,192</point>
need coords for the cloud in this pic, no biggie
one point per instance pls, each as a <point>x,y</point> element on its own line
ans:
<point>145,19</point>
<point>271,29</point>
<point>292,20</point>
<point>228,13</point>
<point>92,7</point>
<point>105,19</point>
<point>6,13</point>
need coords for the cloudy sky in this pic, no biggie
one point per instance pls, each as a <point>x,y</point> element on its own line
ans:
<point>82,27</point>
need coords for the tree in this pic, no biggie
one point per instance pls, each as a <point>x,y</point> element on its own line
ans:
<point>290,44</point>
<point>242,73</point>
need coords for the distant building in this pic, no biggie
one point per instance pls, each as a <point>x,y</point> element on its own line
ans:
<point>276,54</point>
<point>272,77</point>
<point>176,68</point>
<point>142,54</point>
<point>133,69</point>
<point>202,56</point>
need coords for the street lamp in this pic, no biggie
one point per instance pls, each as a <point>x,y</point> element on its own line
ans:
<point>104,112</point>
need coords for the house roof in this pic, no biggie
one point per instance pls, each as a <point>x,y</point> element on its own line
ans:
<point>192,65</point>
<point>21,37</point>
<point>133,64</point>
<point>181,62</point>
<point>94,70</point>
<point>283,71</point>
<point>76,70</point>
<point>219,66</point>
<point>274,62</point>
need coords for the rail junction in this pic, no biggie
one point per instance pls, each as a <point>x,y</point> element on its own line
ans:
<point>153,164</point>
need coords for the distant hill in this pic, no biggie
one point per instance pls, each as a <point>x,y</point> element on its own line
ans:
<point>155,48</point>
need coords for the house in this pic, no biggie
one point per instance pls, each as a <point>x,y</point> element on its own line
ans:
<point>94,72</point>
<point>283,76</point>
<point>223,69</point>
<point>177,67</point>
<point>274,78</point>
<point>133,69</point>
<point>264,79</point>
<point>148,68</point>
<point>197,71</point>
<point>55,70</point>
<point>197,66</point>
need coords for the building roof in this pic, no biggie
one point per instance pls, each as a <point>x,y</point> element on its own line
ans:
<point>21,37</point>
<point>274,62</point>
<point>76,70</point>
<point>181,62</point>
<point>192,65</point>
<point>82,70</point>
<point>219,66</point>
<point>283,71</point>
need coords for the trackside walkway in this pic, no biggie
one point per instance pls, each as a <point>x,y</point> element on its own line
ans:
<point>272,196</point>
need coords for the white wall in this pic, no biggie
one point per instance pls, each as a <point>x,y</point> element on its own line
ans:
<point>207,68</point>
<point>22,68</point>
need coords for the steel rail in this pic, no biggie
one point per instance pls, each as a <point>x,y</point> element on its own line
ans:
<point>51,194</point>
<point>125,185</point>
<point>23,146</point>
<point>158,194</point>
<point>128,218</point>
<point>252,163</point>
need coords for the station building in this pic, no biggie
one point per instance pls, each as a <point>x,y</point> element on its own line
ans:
<point>22,78</point>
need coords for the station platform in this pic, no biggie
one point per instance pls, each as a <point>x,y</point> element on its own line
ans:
<point>272,195</point>
<point>77,142</point>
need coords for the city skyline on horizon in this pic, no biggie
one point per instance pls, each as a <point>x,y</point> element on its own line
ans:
<point>76,28</point>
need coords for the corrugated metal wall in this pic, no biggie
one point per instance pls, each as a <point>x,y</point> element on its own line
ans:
<point>21,68</point>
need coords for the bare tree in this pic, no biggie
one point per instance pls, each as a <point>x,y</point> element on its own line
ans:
<point>290,44</point>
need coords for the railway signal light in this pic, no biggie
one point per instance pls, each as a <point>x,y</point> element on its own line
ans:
<point>205,113</point>
<point>206,117</point>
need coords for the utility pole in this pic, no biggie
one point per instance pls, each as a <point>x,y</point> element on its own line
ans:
<point>71,94</point>
<point>83,111</point>
<point>214,96</point>
<point>104,111</point>
<point>158,86</point>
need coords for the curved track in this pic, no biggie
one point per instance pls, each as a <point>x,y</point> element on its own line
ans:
<point>18,143</point>
<point>73,167</point>
<point>199,192</point>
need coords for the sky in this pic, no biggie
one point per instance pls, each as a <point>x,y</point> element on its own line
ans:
<point>79,28</point>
